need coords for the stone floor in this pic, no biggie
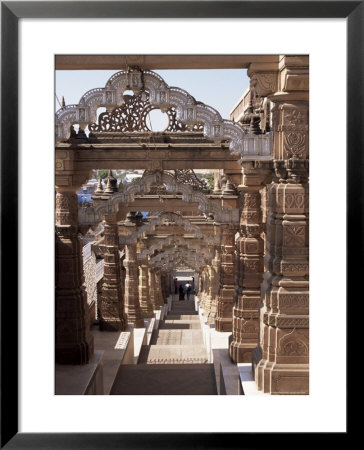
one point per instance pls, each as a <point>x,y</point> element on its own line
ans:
<point>176,362</point>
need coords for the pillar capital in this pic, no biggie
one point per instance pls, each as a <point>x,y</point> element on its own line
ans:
<point>66,174</point>
<point>264,78</point>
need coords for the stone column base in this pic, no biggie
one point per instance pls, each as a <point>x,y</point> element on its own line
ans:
<point>289,379</point>
<point>222,324</point>
<point>138,323</point>
<point>257,355</point>
<point>241,353</point>
<point>80,353</point>
<point>113,324</point>
<point>282,379</point>
<point>147,314</point>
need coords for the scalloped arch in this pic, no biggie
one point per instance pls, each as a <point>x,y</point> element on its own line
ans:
<point>179,220</point>
<point>189,111</point>
<point>172,240</point>
<point>171,261</point>
<point>93,215</point>
<point>184,252</point>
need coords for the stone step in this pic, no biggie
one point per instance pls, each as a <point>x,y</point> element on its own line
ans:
<point>180,325</point>
<point>173,354</point>
<point>177,337</point>
<point>166,379</point>
<point>194,318</point>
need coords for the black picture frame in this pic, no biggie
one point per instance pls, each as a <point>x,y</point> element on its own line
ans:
<point>11,12</point>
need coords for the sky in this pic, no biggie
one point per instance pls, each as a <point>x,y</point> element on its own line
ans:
<point>220,88</point>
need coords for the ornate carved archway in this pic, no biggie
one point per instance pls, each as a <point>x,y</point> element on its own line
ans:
<point>179,104</point>
<point>93,214</point>
<point>172,240</point>
<point>171,217</point>
<point>203,255</point>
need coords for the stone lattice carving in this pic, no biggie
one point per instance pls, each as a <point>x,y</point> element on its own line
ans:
<point>132,115</point>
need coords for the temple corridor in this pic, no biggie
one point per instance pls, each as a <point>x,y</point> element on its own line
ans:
<point>218,205</point>
<point>175,362</point>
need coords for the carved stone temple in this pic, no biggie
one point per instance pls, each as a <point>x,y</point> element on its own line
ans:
<point>240,242</point>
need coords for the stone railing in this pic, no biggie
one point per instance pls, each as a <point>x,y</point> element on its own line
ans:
<point>99,270</point>
<point>86,252</point>
<point>258,146</point>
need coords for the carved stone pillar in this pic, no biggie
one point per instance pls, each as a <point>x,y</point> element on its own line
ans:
<point>208,298</point>
<point>144,296</point>
<point>215,284</point>
<point>200,285</point>
<point>250,247</point>
<point>203,291</point>
<point>74,342</point>
<point>151,280</point>
<point>132,306</point>
<point>223,321</point>
<point>284,339</point>
<point>158,297</point>
<point>164,285</point>
<point>112,314</point>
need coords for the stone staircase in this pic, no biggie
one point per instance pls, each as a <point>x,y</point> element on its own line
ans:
<point>179,338</point>
<point>175,362</point>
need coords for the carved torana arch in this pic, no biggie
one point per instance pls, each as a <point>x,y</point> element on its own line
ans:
<point>93,214</point>
<point>170,217</point>
<point>175,241</point>
<point>188,111</point>
<point>184,252</point>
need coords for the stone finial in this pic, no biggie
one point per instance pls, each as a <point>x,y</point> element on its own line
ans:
<point>99,189</point>
<point>229,188</point>
<point>251,119</point>
<point>111,183</point>
<point>63,103</point>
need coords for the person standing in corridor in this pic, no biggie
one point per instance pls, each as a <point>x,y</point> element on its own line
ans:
<point>188,290</point>
<point>181,292</point>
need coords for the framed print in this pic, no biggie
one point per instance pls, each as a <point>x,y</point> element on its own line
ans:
<point>39,37</point>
